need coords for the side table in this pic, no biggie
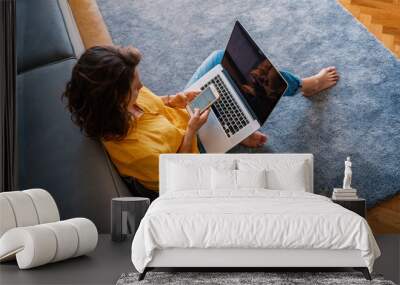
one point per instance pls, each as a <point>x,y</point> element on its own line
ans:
<point>126,214</point>
<point>358,206</point>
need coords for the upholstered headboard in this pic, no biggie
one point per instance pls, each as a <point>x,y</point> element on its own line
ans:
<point>209,159</point>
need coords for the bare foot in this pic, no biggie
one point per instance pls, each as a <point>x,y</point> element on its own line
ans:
<point>256,139</point>
<point>324,79</point>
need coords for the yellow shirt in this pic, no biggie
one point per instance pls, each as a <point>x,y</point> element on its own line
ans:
<point>160,129</point>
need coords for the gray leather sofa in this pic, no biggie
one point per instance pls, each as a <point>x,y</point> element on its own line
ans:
<point>52,153</point>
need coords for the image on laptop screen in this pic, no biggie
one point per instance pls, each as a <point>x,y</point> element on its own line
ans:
<point>258,80</point>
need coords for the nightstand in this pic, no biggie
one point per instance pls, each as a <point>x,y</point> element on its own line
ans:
<point>357,206</point>
<point>126,214</point>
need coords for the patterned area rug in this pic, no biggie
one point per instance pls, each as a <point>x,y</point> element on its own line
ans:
<point>243,278</point>
<point>358,117</point>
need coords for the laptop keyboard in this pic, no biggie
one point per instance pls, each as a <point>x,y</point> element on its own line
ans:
<point>227,111</point>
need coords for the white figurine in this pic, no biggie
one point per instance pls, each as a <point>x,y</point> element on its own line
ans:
<point>347,174</point>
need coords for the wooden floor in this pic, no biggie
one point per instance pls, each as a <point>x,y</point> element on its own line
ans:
<point>385,217</point>
<point>382,19</point>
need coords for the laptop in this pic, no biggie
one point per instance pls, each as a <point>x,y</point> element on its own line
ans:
<point>249,87</point>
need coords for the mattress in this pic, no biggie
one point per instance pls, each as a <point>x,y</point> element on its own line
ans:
<point>251,219</point>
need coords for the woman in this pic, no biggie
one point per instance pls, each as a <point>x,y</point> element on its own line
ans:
<point>108,102</point>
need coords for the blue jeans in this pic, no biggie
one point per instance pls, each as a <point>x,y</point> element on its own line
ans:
<point>294,82</point>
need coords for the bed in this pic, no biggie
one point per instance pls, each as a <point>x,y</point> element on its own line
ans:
<point>245,211</point>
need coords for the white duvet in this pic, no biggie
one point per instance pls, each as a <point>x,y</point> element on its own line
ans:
<point>252,218</point>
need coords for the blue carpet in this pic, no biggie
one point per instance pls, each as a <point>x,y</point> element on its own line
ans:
<point>358,117</point>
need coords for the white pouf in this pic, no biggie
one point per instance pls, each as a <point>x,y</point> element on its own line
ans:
<point>37,245</point>
<point>32,233</point>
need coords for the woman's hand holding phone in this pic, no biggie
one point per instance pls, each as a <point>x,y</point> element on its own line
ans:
<point>195,123</point>
<point>204,100</point>
<point>197,120</point>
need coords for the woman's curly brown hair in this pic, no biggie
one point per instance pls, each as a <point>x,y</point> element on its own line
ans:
<point>100,89</point>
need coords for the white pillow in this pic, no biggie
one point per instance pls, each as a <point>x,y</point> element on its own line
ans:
<point>223,179</point>
<point>228,179</point>
<point>281,175</point>
<point>251,178</point>
<point>183,177</point>
<point>188,175</point>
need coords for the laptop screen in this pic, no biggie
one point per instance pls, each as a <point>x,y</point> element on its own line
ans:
<point>259,82</point>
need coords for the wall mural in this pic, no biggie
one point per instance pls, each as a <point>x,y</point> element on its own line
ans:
<point>359,117</point>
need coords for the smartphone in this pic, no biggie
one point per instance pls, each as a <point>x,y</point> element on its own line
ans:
<point>204,100</point>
